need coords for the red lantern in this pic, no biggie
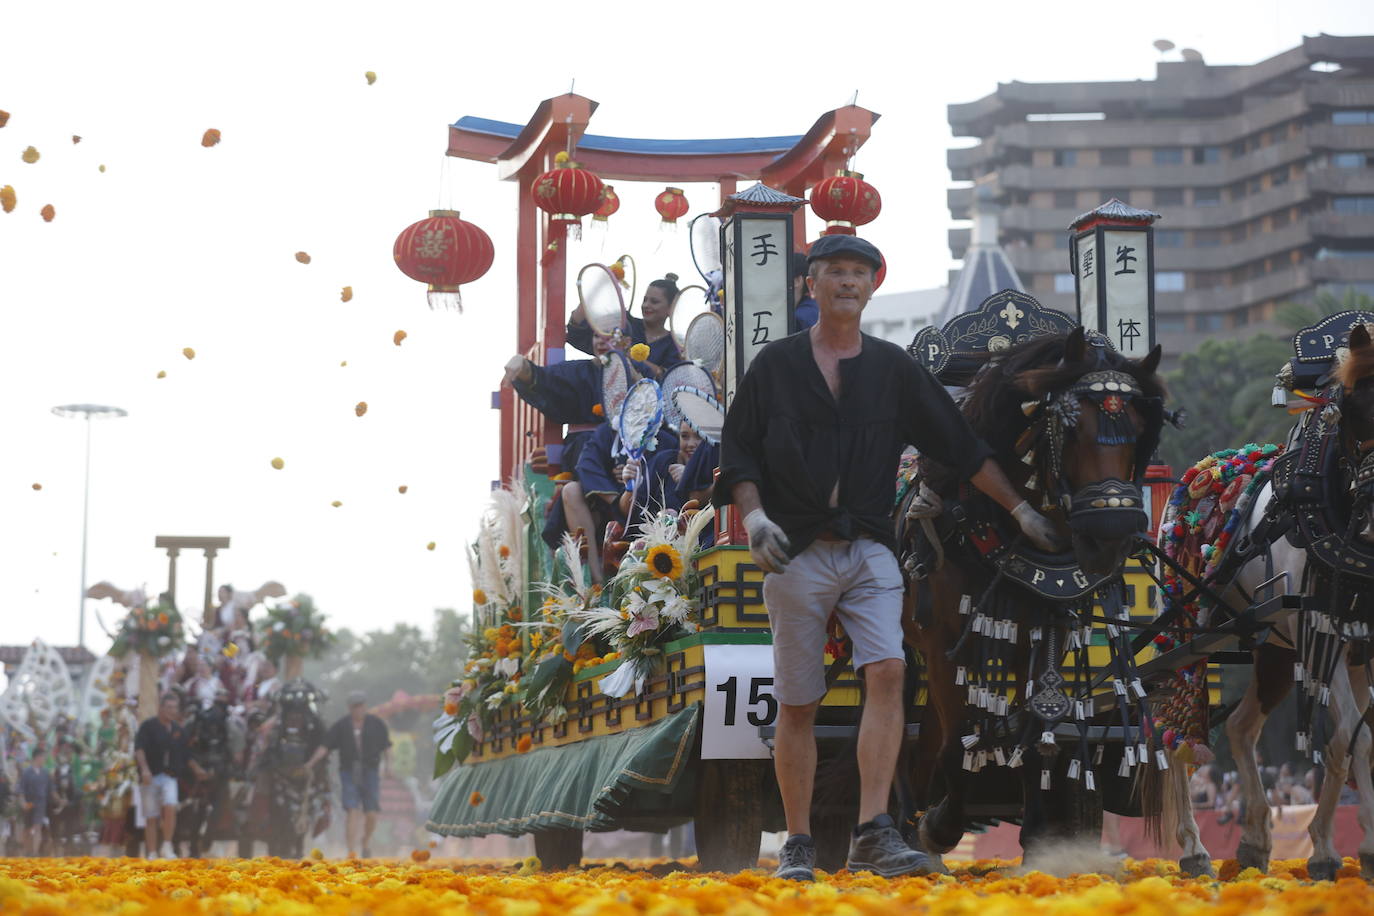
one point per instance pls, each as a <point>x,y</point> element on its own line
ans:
<point>845,201</point>
<point>444,252</point>
<point>671,204</point>
<point>610,202</point>
<point>567,192</point>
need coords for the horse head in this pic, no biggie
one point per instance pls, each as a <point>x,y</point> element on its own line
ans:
<point>1088,434</point>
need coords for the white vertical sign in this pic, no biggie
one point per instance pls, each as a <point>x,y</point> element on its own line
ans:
<point>732,373</point>
<point>1086,270</point>
<point>1125,263</point>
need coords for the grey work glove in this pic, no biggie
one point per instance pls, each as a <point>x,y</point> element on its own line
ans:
<point>768,545</point>
<point>927,503</point>
<point>1037,528</point>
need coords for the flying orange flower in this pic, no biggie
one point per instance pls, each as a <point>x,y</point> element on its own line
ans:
<point>278,463</point>
<point>346,294</point>
<point>371,77</point>
<point>598,410</point>
<point>209,138</point>
<point>476,798</point>
<point>302,257</point>
<point>188,352</point>
<point>4,117</point>
<point>76,138</point>
<point>162,373</point>
<point>8,198</point>
<point>398,337</point>
<point>29,155</point>
<point>429,546</point>
<point>48,213</point>
<point>38,486</point>
<point>102,168</point>
<point>361,408</point>
<point>402,489</point>
<point>336,504</point>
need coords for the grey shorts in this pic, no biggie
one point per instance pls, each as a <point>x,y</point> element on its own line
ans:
<point>860,581</point>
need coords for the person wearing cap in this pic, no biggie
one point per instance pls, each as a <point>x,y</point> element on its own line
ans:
<point>803,304</point>
<point>809,454</point>
<point>364,747</point>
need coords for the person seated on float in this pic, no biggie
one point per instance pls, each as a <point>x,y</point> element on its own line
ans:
<point>665,469</point>
<point>652,329</point>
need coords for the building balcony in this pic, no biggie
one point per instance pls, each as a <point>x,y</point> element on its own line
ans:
<point>1332,225</point>
<point>1342,94</point>
<point>1343,270</point>
<point>1046,219</point>
<point>1352,137</point>
<point>1341,181</point>
<point>960,202</point>
<point>959,240</point>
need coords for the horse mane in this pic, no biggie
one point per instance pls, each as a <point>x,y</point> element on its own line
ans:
<point>1028,371</point>
<point>1358,365</point>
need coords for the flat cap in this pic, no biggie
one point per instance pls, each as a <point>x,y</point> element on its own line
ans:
<point>357,698</point>
<point>838,246</point>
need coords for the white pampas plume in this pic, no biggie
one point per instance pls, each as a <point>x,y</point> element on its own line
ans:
<point>692,536</point>
<point>505,513</point>
<point>571,549</point>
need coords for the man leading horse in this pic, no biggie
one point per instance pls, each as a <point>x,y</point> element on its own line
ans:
<point>810,448</point>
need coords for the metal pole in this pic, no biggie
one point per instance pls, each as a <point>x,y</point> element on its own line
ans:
<point>85,518</point>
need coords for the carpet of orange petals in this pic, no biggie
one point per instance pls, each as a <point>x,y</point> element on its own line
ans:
<point>985,888</point>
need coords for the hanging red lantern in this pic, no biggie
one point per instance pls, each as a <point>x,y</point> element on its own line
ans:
<point>444,252</point>
<point>845,201</point>
<point>567,192</point>
<point>671,204</point>
<point>610,202</point>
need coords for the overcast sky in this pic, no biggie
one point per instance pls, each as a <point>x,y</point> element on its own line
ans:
<point>175,246</point>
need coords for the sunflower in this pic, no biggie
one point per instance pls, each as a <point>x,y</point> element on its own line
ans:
<point>664,561</point>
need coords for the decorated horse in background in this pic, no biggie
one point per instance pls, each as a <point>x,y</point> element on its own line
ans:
<point>206,814</point>
<point>290,801</point>
<point>1073,424</point>
<point>1311,518</point>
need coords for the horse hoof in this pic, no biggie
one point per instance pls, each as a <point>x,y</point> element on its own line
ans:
<point>1322,869</point>
<point>930,844</point>
<point>1249,856</point>
<point>1367,866</point>
<point>1197,866</point>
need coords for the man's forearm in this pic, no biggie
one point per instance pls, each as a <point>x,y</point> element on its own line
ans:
<point>745,495</point>
<point>994,483</point>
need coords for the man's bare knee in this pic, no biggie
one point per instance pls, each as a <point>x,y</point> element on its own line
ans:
<point>886,674</point>
<point>797,715</point>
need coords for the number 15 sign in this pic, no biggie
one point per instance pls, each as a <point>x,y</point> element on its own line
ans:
<point>739,699</point>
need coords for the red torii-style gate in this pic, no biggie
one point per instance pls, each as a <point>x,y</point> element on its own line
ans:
<point>522,153</point>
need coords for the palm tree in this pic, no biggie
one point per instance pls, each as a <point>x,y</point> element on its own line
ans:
<point>1297,315</point>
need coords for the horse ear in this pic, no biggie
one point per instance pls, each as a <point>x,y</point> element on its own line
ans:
<point>1076,347</point>
<point>1150,364</point>
<point>1359,337</point>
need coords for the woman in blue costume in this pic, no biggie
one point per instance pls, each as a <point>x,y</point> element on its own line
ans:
<point>651,330</point>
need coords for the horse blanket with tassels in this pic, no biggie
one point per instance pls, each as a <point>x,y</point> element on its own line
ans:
<point>1198,531</point>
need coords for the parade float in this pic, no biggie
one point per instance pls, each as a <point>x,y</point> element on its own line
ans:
<point>646,702</point>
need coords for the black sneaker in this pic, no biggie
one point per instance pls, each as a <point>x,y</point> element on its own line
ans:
<point>797,859</point>
<point>879,848</point>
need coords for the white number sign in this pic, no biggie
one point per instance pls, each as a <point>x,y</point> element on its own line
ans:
<point>739,699</point>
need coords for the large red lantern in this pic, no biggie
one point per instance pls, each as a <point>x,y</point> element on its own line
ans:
<point>444,252</point>
<point>845,201</point>
<point>610,202</point>
<point>671,205</point>
<point>567,192</point>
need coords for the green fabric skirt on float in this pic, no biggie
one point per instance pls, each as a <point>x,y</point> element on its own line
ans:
<point>640,779</point>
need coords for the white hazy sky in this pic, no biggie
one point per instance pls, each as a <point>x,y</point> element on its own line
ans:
<point>176,245</point>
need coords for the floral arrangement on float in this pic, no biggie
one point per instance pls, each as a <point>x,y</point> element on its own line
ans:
<point>156,631</point>
<point>497,645</point>
<point>653,599</point>
<point>296,630</point>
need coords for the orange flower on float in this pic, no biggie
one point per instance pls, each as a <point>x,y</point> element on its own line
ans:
<point>346,294</point>
<point>30,155</point>
<point>514,614</point>
<point>562,476</point>
<point>47,213</point>
<point>231,650</point>
<point>504,551</point>
<point>524,744</point>
<point>639,352</point>
<point>8,198</point>
<point>209,138</point>
<point>302,257</point>
<point>479,596</point>
<point>450,708</point>
<point>598,410</point>
<point>162,618</point>
<point>398,337</point>
<point>476,798</point>
<point>360,408</point>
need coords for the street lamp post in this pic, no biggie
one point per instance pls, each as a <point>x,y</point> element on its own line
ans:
<point>88,412</point>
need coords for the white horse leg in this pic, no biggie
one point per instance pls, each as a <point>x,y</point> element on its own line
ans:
<point>1243,730</point>
<point>1194,860</point>
<point>1325,860</point>
<point>1364,782</point>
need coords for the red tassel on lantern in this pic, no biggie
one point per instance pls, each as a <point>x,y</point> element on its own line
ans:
<point>845,201</point>
<point>444,252</point>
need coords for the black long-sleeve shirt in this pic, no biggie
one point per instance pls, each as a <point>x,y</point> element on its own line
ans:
<point>786,433</point>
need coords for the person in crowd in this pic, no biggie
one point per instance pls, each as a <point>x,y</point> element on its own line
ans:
<point>835,408</point>
<point>1230,800</point>
<point>1202,789</point>
<point>652,329</point>
<point>364,746</point>
<point>160,750</point>
<point>205,685</point>
<point>35,793</point>
<point>68,816</point>
<point>803,304</point>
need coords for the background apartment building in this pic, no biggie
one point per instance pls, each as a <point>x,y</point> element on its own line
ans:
<point>1264,175</point>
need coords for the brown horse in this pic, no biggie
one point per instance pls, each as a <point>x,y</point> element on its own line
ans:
<point>1071,422</point>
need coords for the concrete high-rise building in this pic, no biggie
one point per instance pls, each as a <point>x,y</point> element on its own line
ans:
<point>1264,175</point>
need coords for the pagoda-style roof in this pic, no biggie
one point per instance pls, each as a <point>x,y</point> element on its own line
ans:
<point>1114,211</point>
<point>758,197</point>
